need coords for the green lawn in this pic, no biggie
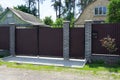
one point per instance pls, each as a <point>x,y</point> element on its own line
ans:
<point>96,66</point>
<point>95,69</point>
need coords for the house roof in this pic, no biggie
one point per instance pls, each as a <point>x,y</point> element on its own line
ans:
<point>30,19</point>
<point>84,10</point>
<point>94,1</point>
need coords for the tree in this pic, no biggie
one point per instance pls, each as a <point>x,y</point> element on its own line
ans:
<point>34,5</point>
<point>58,23</point>
<point>65,11</point>
<point>39,1</point>
<point>24,8</point>
<point>114,11</point>
<point>29,7</point>
<point>31,4</point>
<point>60,8</point>
<point>57,7</point>
<point>69,10</point>
<point>48,21</point>
<point>83,3</point>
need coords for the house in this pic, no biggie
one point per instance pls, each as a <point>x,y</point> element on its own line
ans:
<point>95,11</point>
<point>13,16</point>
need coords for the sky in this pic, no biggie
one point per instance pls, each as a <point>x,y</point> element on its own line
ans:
<point>45,9</point>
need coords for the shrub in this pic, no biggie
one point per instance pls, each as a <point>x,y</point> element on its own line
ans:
<point>4,53</point>
<point>48,21</point>
<point>113,15</point>
<point>109,44</point>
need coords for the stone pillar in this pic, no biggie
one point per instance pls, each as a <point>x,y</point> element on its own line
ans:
<point>12,39</point>
<point>88,40</point>
<point>66,27</point>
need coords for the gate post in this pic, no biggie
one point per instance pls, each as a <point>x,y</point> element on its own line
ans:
<point>12,39</point>
<point>88,39</point>
<point>66,26</point>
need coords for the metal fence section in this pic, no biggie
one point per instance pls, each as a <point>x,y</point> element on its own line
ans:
<point>43,41</point>
<point>50,42</point>
<point>100,31</point>
<point>77,42</point>
<point>4,38</point>
<point>26,42</point>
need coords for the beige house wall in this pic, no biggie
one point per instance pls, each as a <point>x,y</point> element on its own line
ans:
<point>89,13</point>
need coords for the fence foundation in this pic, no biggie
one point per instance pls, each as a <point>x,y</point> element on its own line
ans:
<point>106,58</point>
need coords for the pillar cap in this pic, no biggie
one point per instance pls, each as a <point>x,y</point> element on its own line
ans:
<point>12,23</point>
<point>88,20</point>
<point>66,21</point>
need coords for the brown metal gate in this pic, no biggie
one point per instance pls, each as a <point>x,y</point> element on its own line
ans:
<point>45,41</point>
<point>77,39</point>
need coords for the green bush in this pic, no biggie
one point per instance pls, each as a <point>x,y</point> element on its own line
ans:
<point>48,21</point>
<point>98,62</point>
<point>118,63</point>
<point>4,53</point>
<point>113,11</point>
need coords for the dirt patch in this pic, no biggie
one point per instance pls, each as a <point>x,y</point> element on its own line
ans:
<point>22,74</point>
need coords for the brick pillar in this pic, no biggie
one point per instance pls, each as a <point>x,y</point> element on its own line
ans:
<point>66,27</point>
<point>12,39</point>
<point>88,33</point>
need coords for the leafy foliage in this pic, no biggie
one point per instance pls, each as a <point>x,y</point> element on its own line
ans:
<point>57,7</point>
<point>83,3</point>
<point>69,10</point>
<point>58,23</point>
<point>31,4</point>
<point>66,9</point>
<point>109,44</point>
<point>48,21</point>
<point>4,53</point>
<point>114,11</point>
<point>24,8</point>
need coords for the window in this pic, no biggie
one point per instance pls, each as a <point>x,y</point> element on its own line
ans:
<point>104,10</point>
<point>100,10</point>
<point>9,15</point>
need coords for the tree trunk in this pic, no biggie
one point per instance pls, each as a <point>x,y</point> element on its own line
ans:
<point>38,9</point>
<point>59,8</point>
<point>29,5</point>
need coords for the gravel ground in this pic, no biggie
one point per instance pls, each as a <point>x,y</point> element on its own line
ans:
<point>22,74</point>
